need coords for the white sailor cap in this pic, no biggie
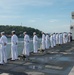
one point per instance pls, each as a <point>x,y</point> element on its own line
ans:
<point>13,31</point>
<point>24,33</point>
<point>2,32</point>
<point>34,33</point>
<point>42,32</point>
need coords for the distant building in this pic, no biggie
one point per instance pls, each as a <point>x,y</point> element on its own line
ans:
<point>72,25</point>
<point>72,31</point>
<point>72,15</point>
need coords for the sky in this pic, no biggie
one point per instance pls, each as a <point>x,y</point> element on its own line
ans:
<point>45,15</point>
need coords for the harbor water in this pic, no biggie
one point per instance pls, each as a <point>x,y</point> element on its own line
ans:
<point>20,46</point>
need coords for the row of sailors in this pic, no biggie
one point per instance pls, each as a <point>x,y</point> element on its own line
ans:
<point>54,39</point>
<point>47,41</point>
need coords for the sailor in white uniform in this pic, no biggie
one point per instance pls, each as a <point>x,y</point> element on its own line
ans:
<point>60,38</point>
<point>64,37</point>
<point>3,44</point>
<point>57,38</point>
<point>35,42</point>
<point>69,35</point>
<point>43,41</point>
<point>26,44</point>
<point>47,41</point>
<point>51,40</point>
<point>54,39</point>
<point>14,42</point>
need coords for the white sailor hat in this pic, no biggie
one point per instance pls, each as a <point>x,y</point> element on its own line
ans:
<point>2,32</point>
<point>42,32</point>
<point>24,33</point>
<point>13,31</point>
<point>34,33</point>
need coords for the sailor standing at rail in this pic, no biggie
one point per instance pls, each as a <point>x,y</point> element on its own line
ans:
<point>43,41</point>
<point>60,38</point>
<point>3,44</point>
<point>26,44</point>
<point>14,42</point>
<point>64,37</point>
<point>51,40</point>
<point>69,35</point>
<point>47,40</point>
<point>35,42</point>
<point>54,39</point>
<point>57,38</point>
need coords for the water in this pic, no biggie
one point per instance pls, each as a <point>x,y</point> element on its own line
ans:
<point>20,46</point>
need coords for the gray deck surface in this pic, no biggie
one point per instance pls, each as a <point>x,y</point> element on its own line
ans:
<point>56,61</point>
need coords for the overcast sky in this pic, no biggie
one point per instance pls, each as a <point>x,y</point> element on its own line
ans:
<point>45,15</point>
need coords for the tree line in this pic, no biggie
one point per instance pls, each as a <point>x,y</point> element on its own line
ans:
<point>19,30</point>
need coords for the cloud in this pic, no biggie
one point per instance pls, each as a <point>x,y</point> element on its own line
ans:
<point>68,1</point>
<point>35,2</point>
<point>14,4</point>
<point>10,3</point>
<point>9,17</point>
<point>53,20</point>
<point>32,21</point>
<point>63,2</point>
<point>18,6</point>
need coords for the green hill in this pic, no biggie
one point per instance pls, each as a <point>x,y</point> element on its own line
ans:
<point>19,30</point>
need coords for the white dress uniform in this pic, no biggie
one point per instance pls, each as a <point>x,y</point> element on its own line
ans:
<point>47,41</point>
<point>35,43</point>
<point>43,41</point>
<point>3,54</point>
<point>26,45</point>
<point>64,38</point>
<point>54,39</point>
<point>51,41</point>
<point>57,38</point>
<point>60,39</point>
<point>14,41</point>
<point>69,35</point>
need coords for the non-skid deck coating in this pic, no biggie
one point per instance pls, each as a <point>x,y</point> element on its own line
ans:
<point>56,61</point>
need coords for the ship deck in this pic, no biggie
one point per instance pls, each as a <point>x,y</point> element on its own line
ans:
<point>56,61</point>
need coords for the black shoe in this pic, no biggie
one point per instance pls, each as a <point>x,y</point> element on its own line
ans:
<point>1,64</point>
<point>43,50</point>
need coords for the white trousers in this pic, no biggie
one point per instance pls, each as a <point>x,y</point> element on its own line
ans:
<point>57,40</point>
<point>54,42</point>
<point>64,40</point>
<point>47,45</point>
<point>51,43</point>
<point>35,46</point>
<point>14,53</point>
<point>26,49</point>
<point>43,45</point>
<point>3,55</point>
<point>69,39</point>
<point>60,41</point>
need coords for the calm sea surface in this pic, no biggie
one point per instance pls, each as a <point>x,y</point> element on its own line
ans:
<point>20,46</point>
